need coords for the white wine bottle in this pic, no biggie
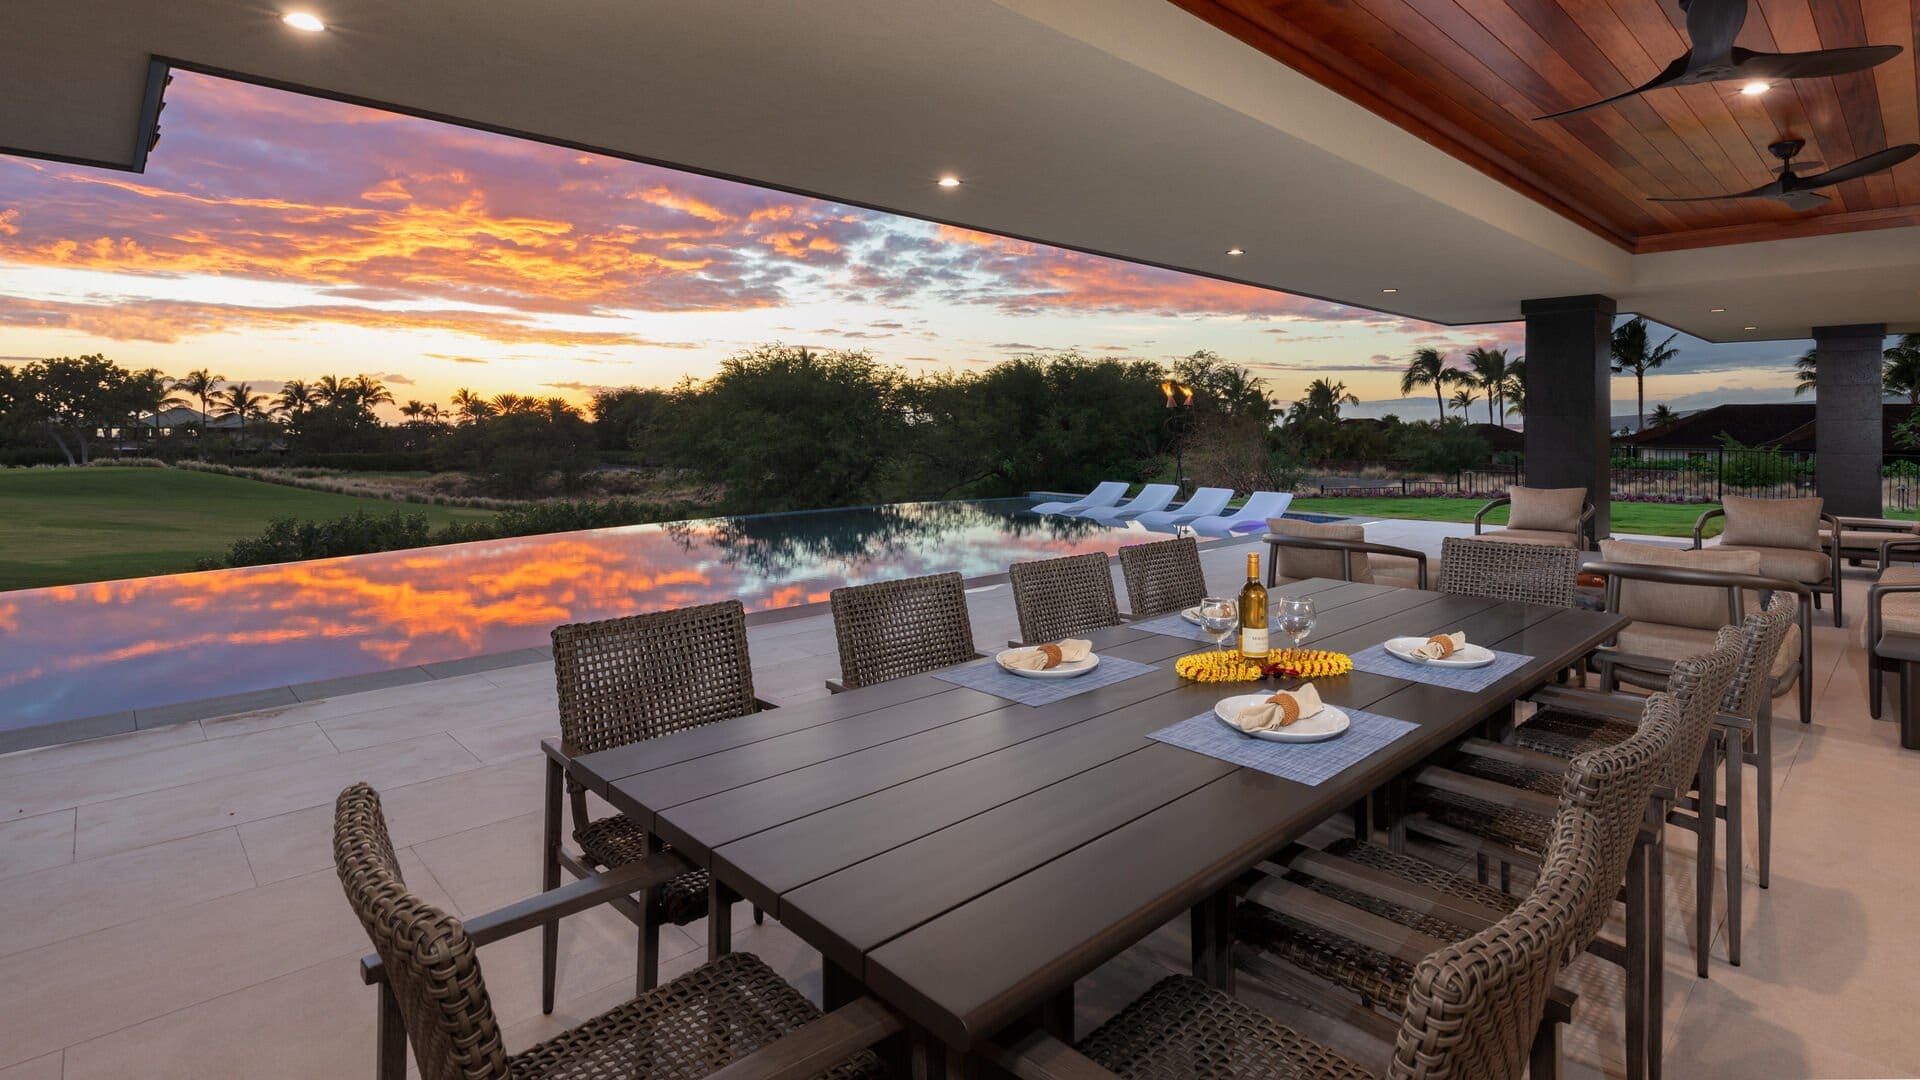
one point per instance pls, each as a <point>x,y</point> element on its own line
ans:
<point>1253,613</point>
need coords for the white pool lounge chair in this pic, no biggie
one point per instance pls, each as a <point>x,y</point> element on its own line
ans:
<point>1105,495</point>
<point>1205,501</point>
<point>1259,506</point>
<point>1152,497</point>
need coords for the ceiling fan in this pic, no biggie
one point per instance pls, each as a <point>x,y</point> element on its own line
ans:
<point>1712,25</point>
<point>1797,191</point>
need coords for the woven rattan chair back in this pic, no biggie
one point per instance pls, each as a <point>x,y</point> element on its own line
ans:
<point>429,960</point>
<point>1763,635</point>
<point>1474,1006</point>
<point>1058,598</point>
<point>892,629</point>
<point>1698,685</point>
<point>643,676</point>
<point>1613,784</point>
<point>1530,573</point>
<point>1163,576</point>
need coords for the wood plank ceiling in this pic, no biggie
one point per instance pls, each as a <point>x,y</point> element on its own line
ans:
<point>1470,76</point>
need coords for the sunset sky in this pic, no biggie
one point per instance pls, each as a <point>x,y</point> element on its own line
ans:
<point>276,236</point>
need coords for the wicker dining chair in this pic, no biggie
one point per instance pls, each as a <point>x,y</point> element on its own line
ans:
<point>892,629</point>
<point>1472,1005</point>
<point>622,681</point>
<point>434,995</point>
<point>1164,576</point>
<point>1571,722</point>
<point>1058,598</point>
<point>1337,913</point>
<point>1528,573</point>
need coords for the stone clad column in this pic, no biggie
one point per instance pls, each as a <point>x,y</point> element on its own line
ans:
<point>1846,412</point>
<point>1569,396</point>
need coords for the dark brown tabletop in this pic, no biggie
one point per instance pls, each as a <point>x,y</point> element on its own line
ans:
<point>967,858</point>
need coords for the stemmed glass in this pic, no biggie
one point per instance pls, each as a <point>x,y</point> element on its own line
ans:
<point>1220,617</point>
<point>1296,618</point>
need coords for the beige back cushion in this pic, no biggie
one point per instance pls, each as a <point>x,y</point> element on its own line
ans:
<point>1701,607</point>
<point>1311,563</point>
<point>1776,523</point>
<point>1546,509</point>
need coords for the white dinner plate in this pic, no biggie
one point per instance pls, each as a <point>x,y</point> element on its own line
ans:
<point>1061,671</point>
<point>1191,614</point>
<point>1467,656</point>
<point>1325,724</point>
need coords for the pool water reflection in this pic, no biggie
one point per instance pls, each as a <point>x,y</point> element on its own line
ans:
<point>86,650</point>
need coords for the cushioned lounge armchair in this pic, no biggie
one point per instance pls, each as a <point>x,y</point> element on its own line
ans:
<point>1786,534</point>
<point>1297,550</point>
<point>1106,494</point>
<point>734,1011</point>
<point>1252,514</point>
<point>1893,614</point>
<point>1064,597</point>
<point>1861,538</point>
<point>1152,497</point>
<point>1527,573</point>
<point>1163,576</point>
<point>622,681</point>
<point>892,629</point>
<point>1204,502</point>
<point>1562,517</point>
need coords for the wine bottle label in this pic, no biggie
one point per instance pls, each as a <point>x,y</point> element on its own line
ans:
<point>1253,641</point>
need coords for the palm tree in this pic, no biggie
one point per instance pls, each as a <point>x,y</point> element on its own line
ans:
<point>1631,354</point>
<point>1490,374</point>
<point>369,391</point>
<point>512,403</point>
<point>200,384</point>
<point>1803,372</point>
<point>1463,400</point>
<point>1513,392</point>
<point>555,407</point>
<point>1663,416</point>
<point>239,400</point>
<point>1429,368</point>
<point>470,406</point>
<point>294,399</point>
<point>1324,399</point>
<point>156,394</point>
<point>331,390</point>
<point>413,409</point>
<point>1900,374</point>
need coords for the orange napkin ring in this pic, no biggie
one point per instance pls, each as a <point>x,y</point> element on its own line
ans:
<point>1053,655</point>
<point>1445,643</point>
<point>1289,708</point>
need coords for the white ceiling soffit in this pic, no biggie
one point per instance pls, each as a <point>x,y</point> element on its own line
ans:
<point>1124,127</point>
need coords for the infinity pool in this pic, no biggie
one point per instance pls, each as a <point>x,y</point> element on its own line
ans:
<point>89,650</point>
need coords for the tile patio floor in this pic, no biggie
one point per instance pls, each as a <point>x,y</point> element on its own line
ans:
<point>168,906</point>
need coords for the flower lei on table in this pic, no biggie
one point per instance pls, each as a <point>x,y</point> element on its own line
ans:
<point>1228,665</point>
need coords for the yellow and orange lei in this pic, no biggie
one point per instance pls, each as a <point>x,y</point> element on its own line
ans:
<point>1228,665</point>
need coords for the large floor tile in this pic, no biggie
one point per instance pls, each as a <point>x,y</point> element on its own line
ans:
<point>237,798</point>
<point>36,843</point>
<point>462,713</point>
<point>94,782</point>
<point>40,1068</point>
<point>514,739</point>
<point>86,896</point>
<point>97,750</point>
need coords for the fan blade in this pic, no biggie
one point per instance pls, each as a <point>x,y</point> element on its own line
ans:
<point>1810,65</point>
<point>1800,199</point>
<point>1859,167</point>
<point>1712,26</point>
<point>1763,191</point>
<point>1672,74</point>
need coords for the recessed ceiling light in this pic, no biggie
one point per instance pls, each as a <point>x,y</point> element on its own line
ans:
<point>1716,311</point>
<point>949,181</point>
<point>1749,328</point>
<point>1389,290</point>
<point>1236,251</point>
<point>1756,88</point>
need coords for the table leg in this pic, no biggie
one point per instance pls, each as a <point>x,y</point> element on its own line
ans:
<point>838,986</point>
<point>1212,922</point>
<point>719,919</point>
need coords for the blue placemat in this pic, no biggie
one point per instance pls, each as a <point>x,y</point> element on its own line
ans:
<point>1305,763</point>
<point>989,677</point>
<point>1379,661</point>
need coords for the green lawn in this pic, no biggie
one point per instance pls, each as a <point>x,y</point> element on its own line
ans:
<point>1655,519</point>
<point>63,526</point>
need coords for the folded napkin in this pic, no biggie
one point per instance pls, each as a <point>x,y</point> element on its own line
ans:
<point>1047,657</point>
<point>1280,710</point>
<point>1441,646</point>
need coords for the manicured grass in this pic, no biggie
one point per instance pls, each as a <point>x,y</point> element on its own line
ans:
<point>1654,519</point>
<point>64,526</point>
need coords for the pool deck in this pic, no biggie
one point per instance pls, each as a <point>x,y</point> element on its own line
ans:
<point>168,906</point>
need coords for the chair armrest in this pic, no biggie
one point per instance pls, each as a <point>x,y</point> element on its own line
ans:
<point>815,1047</point>
<point>556,904</point>
<point>1875,593</point>
<point>1887,547</point>
<point>1700,523</point>
<point>1359,547</point>
<point>1473,787</point>
<point>1584,527</point>
<point>1615,706</point>
<point>1036,1055</point>
<point>1867,524</point>
<point>1503,500</point>
<point>1518,756</point>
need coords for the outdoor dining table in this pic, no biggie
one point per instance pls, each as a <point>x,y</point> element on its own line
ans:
<point>966,858</point>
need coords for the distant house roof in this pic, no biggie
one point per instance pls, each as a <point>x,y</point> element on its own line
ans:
<point>1786,425</point>
<point>181,417</point>
<point>1500,439</point>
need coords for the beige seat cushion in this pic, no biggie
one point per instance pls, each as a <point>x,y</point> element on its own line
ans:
<point>1695,606</point>
<point>1533,536</point>
<point>1793,564</point>
<point>1301,563</point>
<point>1771,523</point>
<point>1675,642</point>
<point>1867,541</point>
<point>1901,611</point>
<point>1546,509</point>
<point>1394,570</point>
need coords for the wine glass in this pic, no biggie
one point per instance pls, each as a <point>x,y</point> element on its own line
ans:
<point>1296,618</point>
<point>1220,617</point>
